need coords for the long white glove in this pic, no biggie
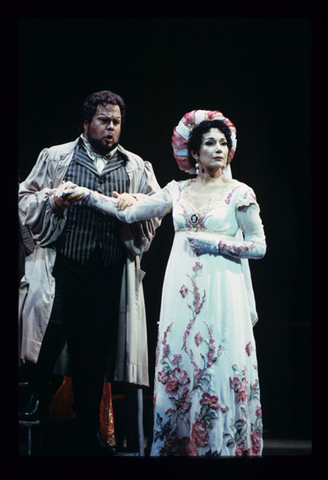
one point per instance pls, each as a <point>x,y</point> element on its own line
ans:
<point>92,199</point>
<point>145,208</point>
<point>253,246</point>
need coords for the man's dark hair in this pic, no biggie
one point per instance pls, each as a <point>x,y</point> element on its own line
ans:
<point>196,137</point>
<point>91,103</point>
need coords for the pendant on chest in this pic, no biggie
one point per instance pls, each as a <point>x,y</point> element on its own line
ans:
<point>194,219</point>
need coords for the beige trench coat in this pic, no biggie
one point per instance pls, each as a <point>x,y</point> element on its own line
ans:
<point>37,210</point>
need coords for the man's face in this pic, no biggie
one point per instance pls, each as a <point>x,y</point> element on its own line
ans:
<point>103,133</point>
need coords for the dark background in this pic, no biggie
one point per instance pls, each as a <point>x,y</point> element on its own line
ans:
<point>258,73</point>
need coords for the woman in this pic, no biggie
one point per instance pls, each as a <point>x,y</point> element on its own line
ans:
<point>206,393</point>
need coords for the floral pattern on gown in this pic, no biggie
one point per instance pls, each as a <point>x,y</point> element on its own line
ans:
<point>206,390</point>
<point>206,394</point>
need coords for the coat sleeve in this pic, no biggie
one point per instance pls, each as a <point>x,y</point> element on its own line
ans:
<point>37,208</point>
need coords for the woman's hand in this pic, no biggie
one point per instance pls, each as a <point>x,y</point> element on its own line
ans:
<point>202,243</point>
<point>67,194</point>
<point>124,200</point>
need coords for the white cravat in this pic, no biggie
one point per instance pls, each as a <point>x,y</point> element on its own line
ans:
<point>99,160</point>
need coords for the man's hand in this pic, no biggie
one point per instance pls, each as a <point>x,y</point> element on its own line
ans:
<point>124,200</point>
<point>66,200</point>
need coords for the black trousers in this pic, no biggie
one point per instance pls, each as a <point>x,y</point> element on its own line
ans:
<point>85,314</point>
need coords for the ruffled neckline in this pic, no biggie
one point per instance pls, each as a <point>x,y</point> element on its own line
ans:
<point>222,192</point>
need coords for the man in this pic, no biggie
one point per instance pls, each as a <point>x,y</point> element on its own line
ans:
<point>82,282</point>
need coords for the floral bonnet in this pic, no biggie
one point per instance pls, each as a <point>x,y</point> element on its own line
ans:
<point>181,134</point>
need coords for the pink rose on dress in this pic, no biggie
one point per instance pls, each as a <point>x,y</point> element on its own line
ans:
<point>249,348</point>
<point>172,386</point>
<point>241,452</point>
<point>183,291</point>
<point>258,412</point>
<point>234,383</point>
<point>255,385</point>
<point>163,377</point>
<point>198,266</point>
<point>176,446</point>
<point>198,339</point>
<point>211,401</point>
<point>176,358</point>
<point>242,392</point>
<point>240,388</point>
<point>176,380</point>
<point>256,443</point>
<point>181,376</point>
<point>199,434</point>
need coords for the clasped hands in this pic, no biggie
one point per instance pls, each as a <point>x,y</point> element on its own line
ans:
<point>202,242</point>
<point>69,193</point>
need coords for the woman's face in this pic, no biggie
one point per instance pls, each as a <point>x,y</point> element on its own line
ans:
<point>213,152</point>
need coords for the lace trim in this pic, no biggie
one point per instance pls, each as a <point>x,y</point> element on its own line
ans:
<point>220,195</point>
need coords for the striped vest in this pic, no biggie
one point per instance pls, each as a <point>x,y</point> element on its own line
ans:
<point>85,227</point>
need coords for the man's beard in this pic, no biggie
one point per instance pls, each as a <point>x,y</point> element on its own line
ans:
<point>99,147</point>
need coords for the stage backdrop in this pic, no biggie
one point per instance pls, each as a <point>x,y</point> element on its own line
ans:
<point>257,72</point>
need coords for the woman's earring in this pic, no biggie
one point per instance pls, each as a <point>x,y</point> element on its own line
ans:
<point>197,168</point>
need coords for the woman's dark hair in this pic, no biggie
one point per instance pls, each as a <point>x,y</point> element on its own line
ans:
<point>196,136</point>
<point>91,103</point>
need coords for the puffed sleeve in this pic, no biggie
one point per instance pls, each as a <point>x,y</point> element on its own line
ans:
<point>37,209</point>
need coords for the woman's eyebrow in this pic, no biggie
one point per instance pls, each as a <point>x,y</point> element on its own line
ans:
<point>212,138</point>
